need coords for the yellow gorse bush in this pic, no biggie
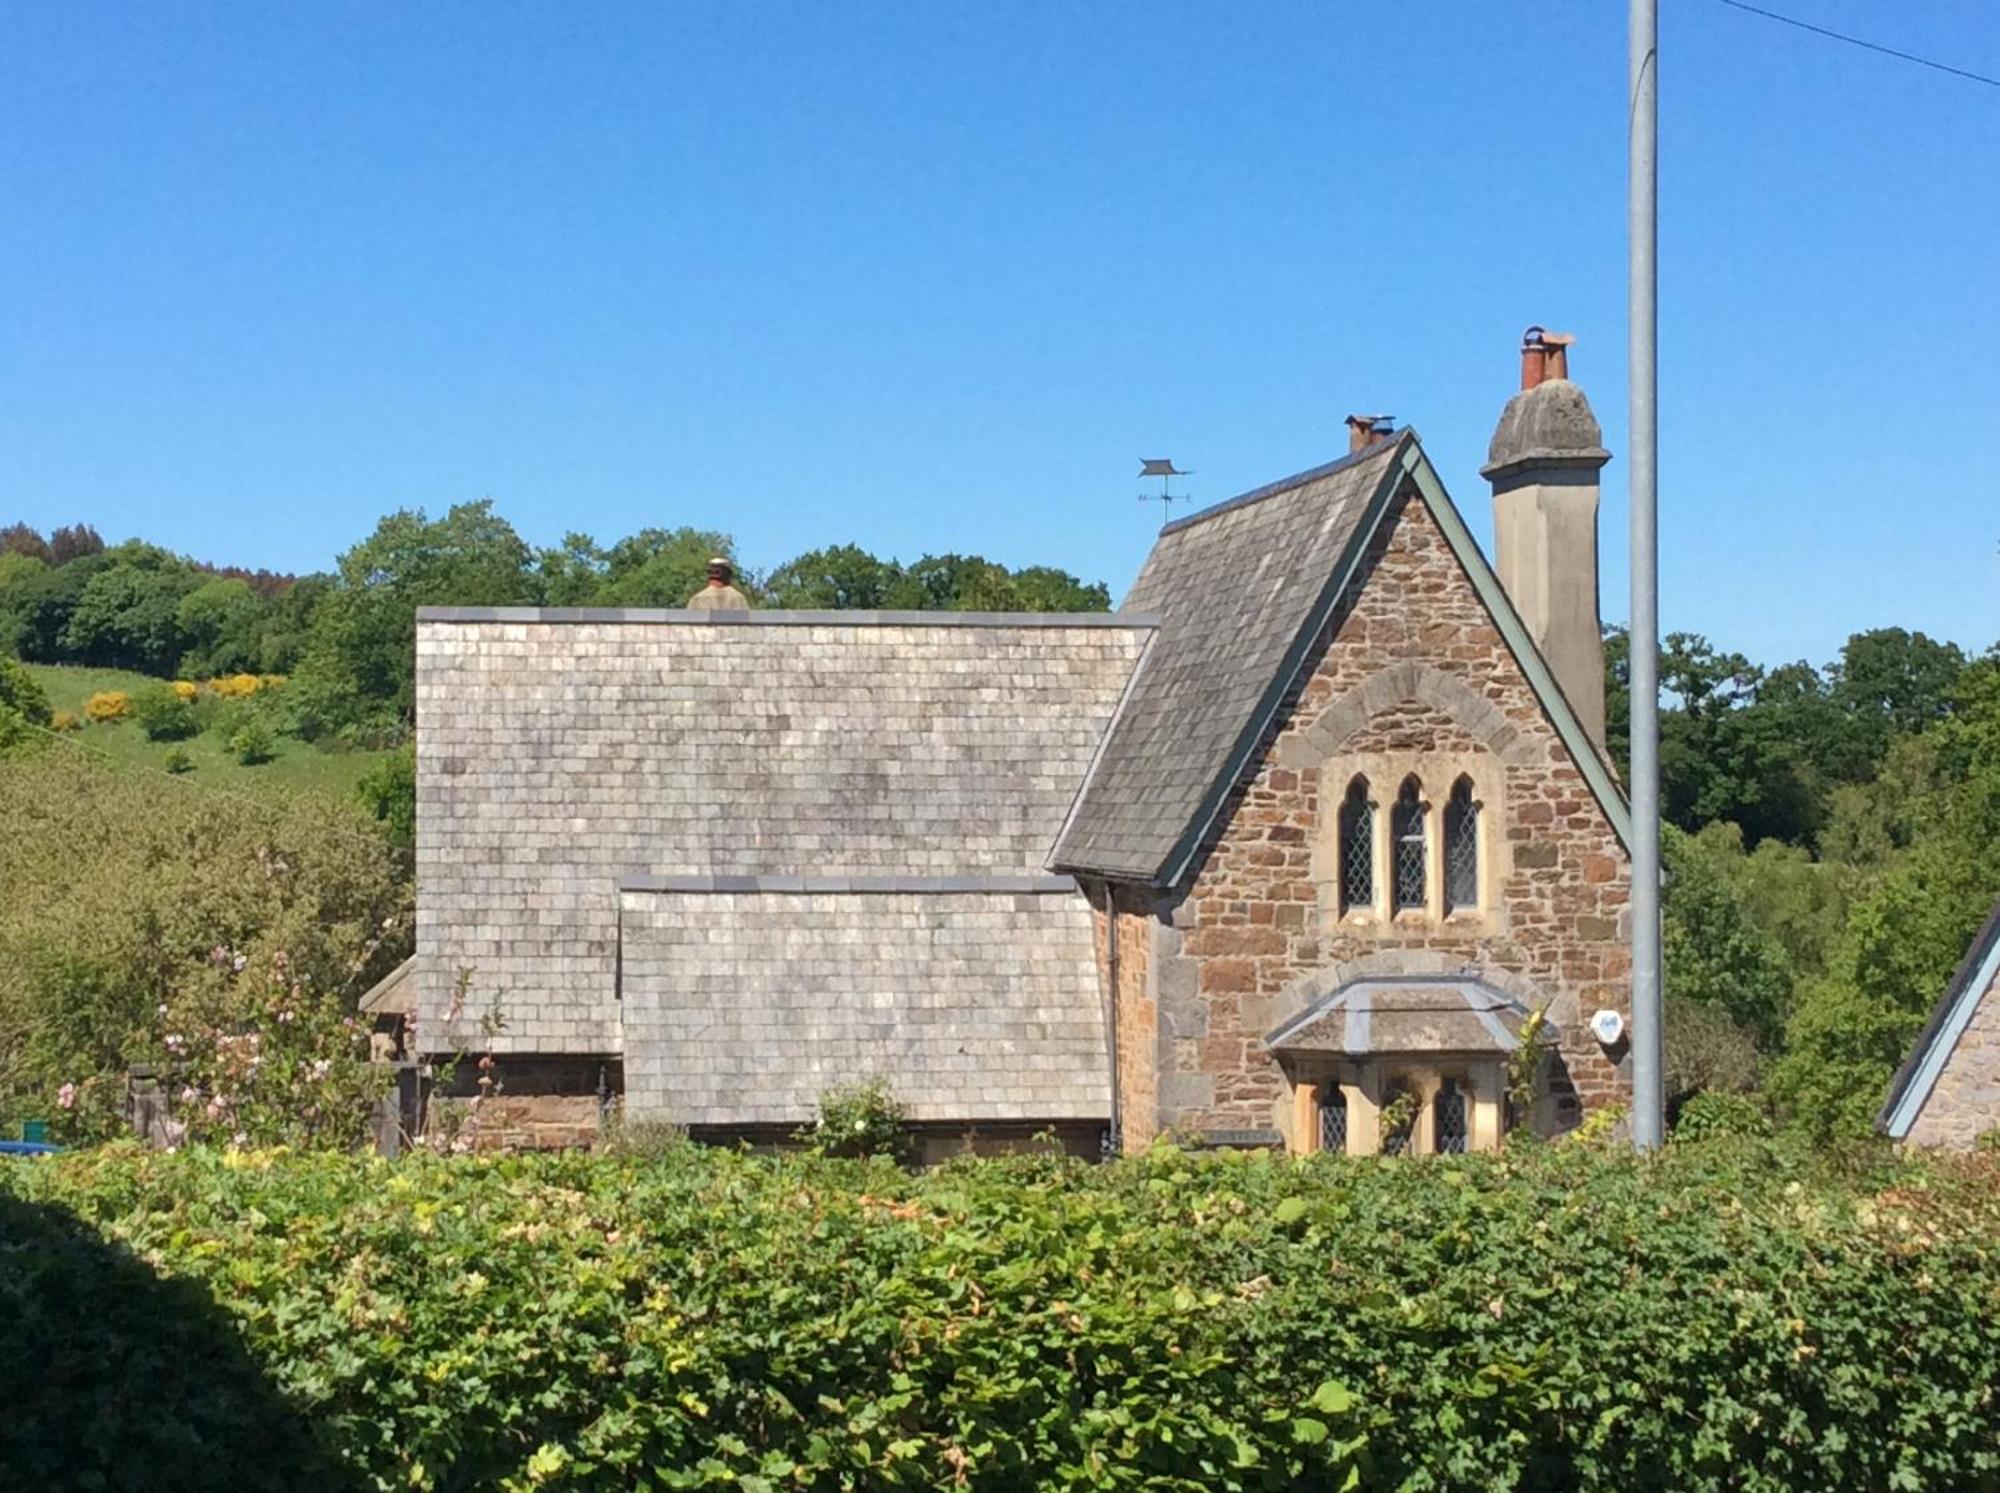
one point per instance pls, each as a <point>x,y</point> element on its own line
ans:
<point>186,689</point>
<point>108,705</point>
<point>64,720</point>
<point>236,686</point>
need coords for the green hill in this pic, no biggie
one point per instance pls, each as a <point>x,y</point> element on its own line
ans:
<point>295,765</point>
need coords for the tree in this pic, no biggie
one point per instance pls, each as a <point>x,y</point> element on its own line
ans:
<point>220,624</point>
<point>128,614</point>
<point>1892,683</point>
<point>19,539</point>
<point>1715,956</point>
<point>661,567</point>
<point>569,574</point>
<point>358,666</point>
<point>844,577</point>
<point>74,542</point>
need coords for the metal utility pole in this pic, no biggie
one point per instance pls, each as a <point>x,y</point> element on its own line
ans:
<point>1643,223</point>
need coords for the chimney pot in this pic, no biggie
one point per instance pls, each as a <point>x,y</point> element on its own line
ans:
<point>1364,431</point>
<point>1556,346</point>
<point>1534,358</point>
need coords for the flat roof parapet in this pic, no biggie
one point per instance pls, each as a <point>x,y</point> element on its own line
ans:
<point>683,617</point>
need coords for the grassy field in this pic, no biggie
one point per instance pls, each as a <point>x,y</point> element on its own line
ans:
<point>297,766</point>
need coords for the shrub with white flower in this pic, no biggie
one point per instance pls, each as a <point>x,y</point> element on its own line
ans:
<point>861,1119</point>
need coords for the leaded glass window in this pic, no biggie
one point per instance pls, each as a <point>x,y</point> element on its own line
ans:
<point>1407,836</point>
<point>1461,848</point>
<point>1333,1118</point>
<point>1450,1118</point>
<point>1357,848</point>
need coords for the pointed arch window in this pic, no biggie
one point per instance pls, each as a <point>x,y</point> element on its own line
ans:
<point>1461,848</point>
<point>1357,849</point>
<point>1410,854</point>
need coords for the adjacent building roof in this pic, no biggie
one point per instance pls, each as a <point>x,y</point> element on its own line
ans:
<point>746,998</point>
<point>1243,591</point>
<point>1422,1014</point>
<point>1978,973</point>
<point>561,752</point>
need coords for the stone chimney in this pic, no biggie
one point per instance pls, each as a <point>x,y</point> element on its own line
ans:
<point>1543,465</point>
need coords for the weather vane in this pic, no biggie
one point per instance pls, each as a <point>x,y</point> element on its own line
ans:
<point>1163,467</point>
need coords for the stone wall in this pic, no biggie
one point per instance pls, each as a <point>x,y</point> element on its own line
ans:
<point>1965,1102</point>
<point>1411,663</point>
<point>1137,1005</point>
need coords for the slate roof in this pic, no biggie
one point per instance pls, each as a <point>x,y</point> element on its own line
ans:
<point>976,999</point>
<point>1239,590</point>
<point>561,753</point>
<point>1425,1014</point>
<point>1241,593</point>
<point>1977,973</point>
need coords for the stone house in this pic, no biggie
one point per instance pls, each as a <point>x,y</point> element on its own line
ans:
<point>1947,1093</point>
<point>1285,851</point>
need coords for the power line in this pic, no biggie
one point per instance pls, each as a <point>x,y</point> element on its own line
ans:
<point>1855,41</point>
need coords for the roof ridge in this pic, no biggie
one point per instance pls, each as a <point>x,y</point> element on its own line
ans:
<point>779,617</point>
<point>1297,479</point>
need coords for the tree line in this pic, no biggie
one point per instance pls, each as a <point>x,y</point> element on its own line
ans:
<point>346,637</point>
<point>1832,844</point>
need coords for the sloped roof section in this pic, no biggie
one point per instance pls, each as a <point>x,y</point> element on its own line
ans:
<point>1240,591</point>
<point>1977,974</point>
<point>559,753</point>
<point>976,1001</point>
<point>1428,1014</point>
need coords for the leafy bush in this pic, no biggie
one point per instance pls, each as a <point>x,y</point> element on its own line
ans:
<point>861,1119</point>
<point>147,922</point>
<point>390,793</point>
<point>1728,1314</point>
<point>64,720</point>
<point>21,693</point>
<point>108,705</point>
<point>164,714</point>
<point>253,743</point>
<point>178,762</point>
<point>1709,1114</point>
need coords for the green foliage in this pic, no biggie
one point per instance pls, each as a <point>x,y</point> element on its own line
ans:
<point>1729,1314</point>
<point>1715,955</point>
<point>860,1119</point>
<point>221,624</point>
<point>149,922</point>
<point>357,672</point>
<point>389,792</point>
<point>21,693</point>
<point>1712,1113</point>
<point>178,762</point>
<point>848,577</point>
<point>163,715</point>
<point>1706,1052</point>
<point>253,743</point>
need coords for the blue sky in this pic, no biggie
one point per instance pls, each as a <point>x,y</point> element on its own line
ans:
<point>933,277</point>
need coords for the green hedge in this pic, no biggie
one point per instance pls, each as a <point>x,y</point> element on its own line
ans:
<point>1727,1315</point>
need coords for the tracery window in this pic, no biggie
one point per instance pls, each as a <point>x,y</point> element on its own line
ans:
<point>1357,849</point>
<point>1461,848</point>
<point>1408,834</point>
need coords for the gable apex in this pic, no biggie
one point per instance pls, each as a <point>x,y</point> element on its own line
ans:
<point>1228,654</point>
